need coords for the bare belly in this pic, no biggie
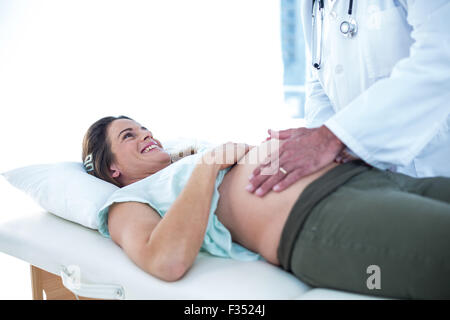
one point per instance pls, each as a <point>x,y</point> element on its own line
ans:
<point>256,223</point>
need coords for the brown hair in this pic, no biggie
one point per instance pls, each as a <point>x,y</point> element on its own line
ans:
<point>97,146</point>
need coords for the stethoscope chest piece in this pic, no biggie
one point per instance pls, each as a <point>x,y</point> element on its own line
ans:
<point>349,28</point>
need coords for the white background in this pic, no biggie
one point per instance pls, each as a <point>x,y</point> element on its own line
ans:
<point>204,69</point>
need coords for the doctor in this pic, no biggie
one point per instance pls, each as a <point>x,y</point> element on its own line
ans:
<point>378,88</point>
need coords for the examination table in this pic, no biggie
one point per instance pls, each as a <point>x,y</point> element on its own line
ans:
<point>64,254</point>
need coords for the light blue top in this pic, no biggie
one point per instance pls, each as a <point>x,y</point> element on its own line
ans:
<point>162,188</point>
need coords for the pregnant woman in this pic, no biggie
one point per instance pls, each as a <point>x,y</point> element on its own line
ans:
<point>329,229</point>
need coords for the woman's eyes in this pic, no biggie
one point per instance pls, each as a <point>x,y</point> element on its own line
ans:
<point>126,135</point>
<point>130,134</point>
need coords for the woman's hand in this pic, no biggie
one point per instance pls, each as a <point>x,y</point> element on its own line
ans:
<point>226,155</point>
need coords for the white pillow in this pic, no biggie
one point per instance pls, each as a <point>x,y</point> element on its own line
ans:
<point>64,189</point>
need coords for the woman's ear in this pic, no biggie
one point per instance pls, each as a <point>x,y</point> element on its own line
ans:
<point>115,172</point>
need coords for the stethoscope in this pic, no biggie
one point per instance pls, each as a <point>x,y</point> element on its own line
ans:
<point>348,28</point>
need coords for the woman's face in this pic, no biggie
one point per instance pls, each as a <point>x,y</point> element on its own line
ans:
<point>137,154</point>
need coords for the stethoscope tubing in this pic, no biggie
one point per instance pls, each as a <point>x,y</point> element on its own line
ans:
<point>315,50</point>
<point>317,45</point>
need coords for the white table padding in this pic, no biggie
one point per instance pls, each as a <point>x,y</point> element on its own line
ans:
<point>49,242</point>
<point>329,294</point>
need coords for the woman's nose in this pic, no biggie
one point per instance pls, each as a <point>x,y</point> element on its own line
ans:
<point>145,136</point>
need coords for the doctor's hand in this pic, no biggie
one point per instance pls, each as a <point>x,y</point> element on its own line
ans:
<point>303,152</point>
<point>344,156</point>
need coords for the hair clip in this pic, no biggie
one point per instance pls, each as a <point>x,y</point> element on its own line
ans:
<point>88,164</point>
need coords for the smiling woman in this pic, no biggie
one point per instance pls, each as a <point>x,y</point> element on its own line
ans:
<point>344,218</point>
<point>121,151</point>
<point>174,60</point>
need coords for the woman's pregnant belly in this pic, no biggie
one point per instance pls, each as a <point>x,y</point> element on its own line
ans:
<point>257,223</point>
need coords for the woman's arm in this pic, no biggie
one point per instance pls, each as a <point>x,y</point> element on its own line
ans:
<point>167,248</point>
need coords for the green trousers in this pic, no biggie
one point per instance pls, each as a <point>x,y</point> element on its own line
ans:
<point>379,233</point>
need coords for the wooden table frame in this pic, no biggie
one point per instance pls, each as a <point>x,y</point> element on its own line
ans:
<point>49,286</point>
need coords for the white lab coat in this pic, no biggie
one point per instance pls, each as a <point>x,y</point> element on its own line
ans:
<point>385,93</point>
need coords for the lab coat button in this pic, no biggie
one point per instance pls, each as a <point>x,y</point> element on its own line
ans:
<point>339,69</point>
<point>333,15</point>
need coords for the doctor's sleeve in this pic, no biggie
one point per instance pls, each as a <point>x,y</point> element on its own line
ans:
<point>318,107</point>
<point>393,120</point>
